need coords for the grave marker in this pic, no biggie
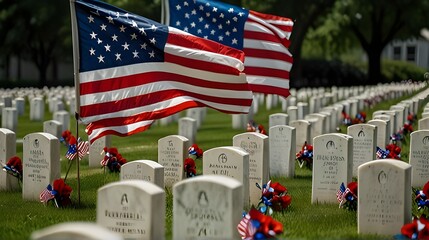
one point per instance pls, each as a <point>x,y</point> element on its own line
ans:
<point>146,170</point>
<point>364,144</point>
<point>282,151</point>
<point>172,152</point>
<point>419,158</point>
<point>7,150</point>
<point>96,150</point>
<point>75,231</point>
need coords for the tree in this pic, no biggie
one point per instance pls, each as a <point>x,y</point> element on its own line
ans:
<point>376,23</point>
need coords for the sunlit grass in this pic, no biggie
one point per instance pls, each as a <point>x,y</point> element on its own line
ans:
<point>303,220</point>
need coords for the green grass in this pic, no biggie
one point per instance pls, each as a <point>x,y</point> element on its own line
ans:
<point>302,220</point>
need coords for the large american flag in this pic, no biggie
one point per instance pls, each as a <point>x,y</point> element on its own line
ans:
<point>264,38</point>
<point>132,71</point>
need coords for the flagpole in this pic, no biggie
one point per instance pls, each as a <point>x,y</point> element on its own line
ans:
<point>75,41</point>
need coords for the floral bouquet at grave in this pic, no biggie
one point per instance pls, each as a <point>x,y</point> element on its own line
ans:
<point>113,160</point>
<point>59,193</point>
<point>417,229</point>
<point>412,117</point>
<point>422,198</point>
<point>14,167</point>
<point>360,118</point>
<point>65,137</point>
<point>346,119</point>
<point>256,225</point>
<point>381,153</point>
<point>195,152</point>
<point>190,168</point>
<point>274,198</point>
<point>407,128</point>
<point>305,156</point>
<point>394,151</point>
<point>254,127</point>
<point>347,197</point>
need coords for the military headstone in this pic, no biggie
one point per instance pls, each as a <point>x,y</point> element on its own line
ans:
<point>282,151</point>
<point>364,144</point>
<point>419,157</point>
<point>75,231</point>
<point>7,150</point>
<point>146,170</point>
<point>96,150</point>
<point>172,152</point>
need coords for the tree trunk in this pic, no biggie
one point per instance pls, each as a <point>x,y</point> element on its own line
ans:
<point>374,67</point>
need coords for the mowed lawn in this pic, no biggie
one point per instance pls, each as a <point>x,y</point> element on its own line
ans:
<point>302,220</point>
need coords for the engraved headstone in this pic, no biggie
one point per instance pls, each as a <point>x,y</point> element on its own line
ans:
<point>364,144</point>
<point>75,231</point>
<point>423,123</point>
<point>256,144</point>
<point>207,207</point>
<point>133,208</point>
<point>332,165</point>
<point>231,162</point>
<point>96,150</point>
<point>41,163</point>
<point>282,151</point>
<point>278,119</point>
<point>146,170</point>
<point>302,110</point>
<point>188,129</point>
<point>172,152</point>
<point>419,157</point>
<point>384,201</point>
<point>7,150</point>
<point>382,129</point>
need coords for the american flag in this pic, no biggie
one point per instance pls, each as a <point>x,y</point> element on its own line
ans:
<point>341,193</point>
<point>82,148</point>
<point>264,38</point>
<point>245,228</point>
<point>46,194</point>
<point>133,70</point>
<point>381,154</point>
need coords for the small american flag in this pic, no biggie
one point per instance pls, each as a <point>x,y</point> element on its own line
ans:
<point>46,194</point>
<point>381,154</point>
<point>82,148</point>
<point>341,193</point>
<point>263,38</point>
<point>245,228</point>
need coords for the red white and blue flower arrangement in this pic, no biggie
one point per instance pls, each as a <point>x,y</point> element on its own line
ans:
<point>112,159</point>
<point>254,127</point>
<point>59,193</point>
<point>256,225</point>
<point>305,156</point>
<point>194,153</point>
<point>14,167</point>
<point>347,196</point>
<point>274,198</point>
<point>75,147</point>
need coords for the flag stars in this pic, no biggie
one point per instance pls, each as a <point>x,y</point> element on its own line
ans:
<point>114,38</point>
<point>136,54</point>
<point>99,41</point>
<point>178,7</point>
<point>206,26</point>
<point>91,51</point>
<point>133,36</point>
<point>228,22</point>
<point>212,32</point>
<point>234,41</point>
<point>201,8</point>
<point>100,58</point>
<point>200,19</point>
<point>185,3</point>
<point>220,38</point>
<point>178,23</point>
<point>234,30</point>
<point>231,10</point>
<point>153,41</point>
<point>93,35</point>
<point>207,4</point>
<point>103,27</point>
<point>141,30</point>
<point>221,15</point>
<point>152,54</point>
<point>194,12</point>
<point>207,14</point>
<point>134,24</point>
<point>240,14</point>
<point>214,20</point>
<point>214,9</point>
<point>107,47</point>
<point>227,33</point>
<point>143,46</point>
<point>153,27</point>
<point>220,26</point>
<point>118,57</point>
<point>186,15</point>
<point>90,19</point>
<point>193,24</point>
<point>235,19</point>
<point>186,29</point>
<point>126,46</point>
<point>122,28</point>
<point>110,19</point>
<point>199,31</point>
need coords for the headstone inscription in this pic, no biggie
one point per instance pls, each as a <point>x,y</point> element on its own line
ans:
<point>364,144</point>
<point>41,163</point>
<point>384,201</point>
<point>133,208</point>
<point>332,165</point>
<point>172,152</point>
<point>207,207</point>
<point>419,158</point>
<point>282,151</point>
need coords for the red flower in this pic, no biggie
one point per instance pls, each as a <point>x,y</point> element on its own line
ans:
<point>278,188</point>
<point>419,228</point>
<point>353,186</point>
<point>190,168</point>
<point>63,192</point>
<point>15,163</point>
<point>268,226</point>
<point>195,150</point>
<point>281,202</point>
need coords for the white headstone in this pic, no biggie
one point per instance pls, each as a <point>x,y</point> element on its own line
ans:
<point>302,110</point>
<point>278,119</point>
<point>423,123</point>
<point>146,170</point>
<point>64,118</point>
<point>256,144</point>
<point>75,231</point>
<point>41,163</point>
<point>292,112</point>
<point>172,152</point>
<point>302,129</point>
<point>133,208</point>
<point>282,151</point>
<point>37,109</point>
<point>382,129</point>
<point>20,105</point>
<point>332,165</point>
<point>419,157</point>
<point>384,196</point>
<point>7,150</point>
<point>364,144</point>
<point>188,129</point>
<point>53,127</point>
<point>9,118</point>
<point>96,150</point>
<point>207,207</point>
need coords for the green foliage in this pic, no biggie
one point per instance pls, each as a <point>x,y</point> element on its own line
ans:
<point>395,71</point>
